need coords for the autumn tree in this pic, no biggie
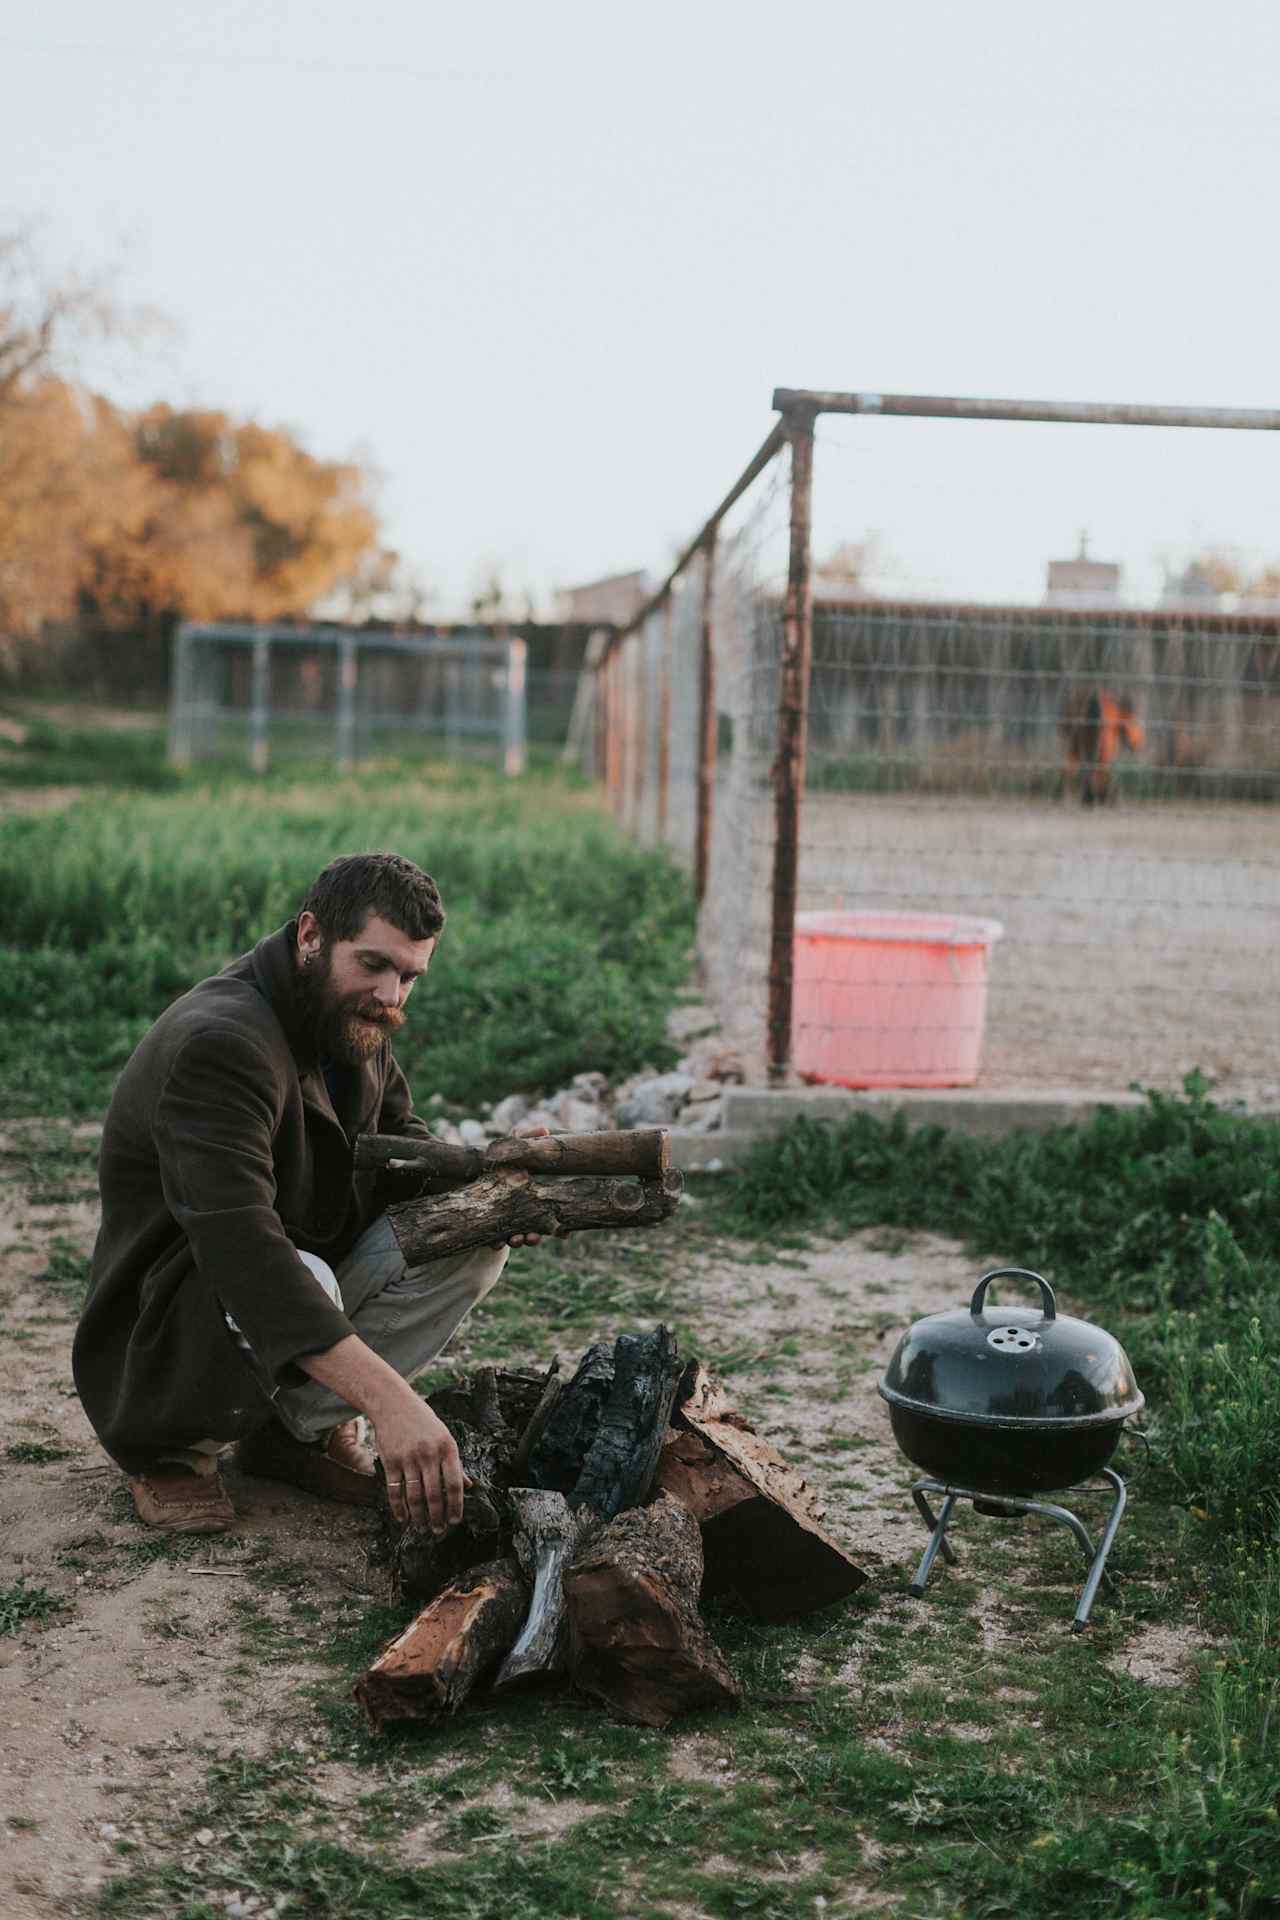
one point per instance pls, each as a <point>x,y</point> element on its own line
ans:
<point>131,520</point>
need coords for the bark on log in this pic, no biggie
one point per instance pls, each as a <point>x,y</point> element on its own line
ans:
<point>767,1552</point>
<point>620,1464</point>
<point>636,1640</point>
<point>547,1536</point>
<point>488,1211</point>
<point>429,1669</point>
<point>643,1151</point>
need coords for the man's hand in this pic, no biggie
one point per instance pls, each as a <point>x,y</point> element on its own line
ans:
<point>425,1481</point>
<point>528,1130</point>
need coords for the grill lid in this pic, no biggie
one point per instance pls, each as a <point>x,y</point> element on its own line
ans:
<point>1011,1366</point>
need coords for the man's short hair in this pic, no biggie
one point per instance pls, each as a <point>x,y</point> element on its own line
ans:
<point>351,888</point>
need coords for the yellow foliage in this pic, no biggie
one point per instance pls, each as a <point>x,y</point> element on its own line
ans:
<point>130,516</point>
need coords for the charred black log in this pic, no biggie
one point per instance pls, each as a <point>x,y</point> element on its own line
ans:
<point>556,1456</point>
<point>421,1565</point>
<point>535,1425</point>
<point>623,1456</point>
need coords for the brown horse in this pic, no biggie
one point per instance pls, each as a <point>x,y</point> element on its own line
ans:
<point>1095,726</point>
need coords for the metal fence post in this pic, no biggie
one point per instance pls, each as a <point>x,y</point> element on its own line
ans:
<point>640,706</point>
<point>789,764</point>
<point>347,673</point>
<point>180,715</point>
<point>706,722</point>
<point>513,756</point>
<point>664,716</point>
<point>613,735</point>
<point>259,698</point>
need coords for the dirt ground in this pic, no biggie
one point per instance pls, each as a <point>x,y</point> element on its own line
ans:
<point>113,1707</point>
<point>1139,942</point>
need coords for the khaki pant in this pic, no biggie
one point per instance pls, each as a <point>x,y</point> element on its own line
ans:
<point>407,1314</point>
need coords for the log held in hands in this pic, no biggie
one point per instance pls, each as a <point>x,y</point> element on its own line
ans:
<point>487,1212</point>
<point>641,1151</point>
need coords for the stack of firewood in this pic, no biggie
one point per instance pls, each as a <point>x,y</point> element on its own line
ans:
<point>600,1512</point>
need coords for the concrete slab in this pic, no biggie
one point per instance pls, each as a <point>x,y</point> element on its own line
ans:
<point>752,1113</point>
<point>971,1110</point>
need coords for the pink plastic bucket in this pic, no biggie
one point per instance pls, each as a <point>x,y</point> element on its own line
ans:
<point>890,999</point>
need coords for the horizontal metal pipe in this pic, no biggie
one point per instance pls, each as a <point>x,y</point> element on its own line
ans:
<point>928,406</point>
<point>773,442</point>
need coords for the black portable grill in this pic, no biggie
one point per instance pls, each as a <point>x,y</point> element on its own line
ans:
<point>1004,1404</point>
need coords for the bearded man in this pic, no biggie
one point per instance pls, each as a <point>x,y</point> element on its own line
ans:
<point>246,1285</point>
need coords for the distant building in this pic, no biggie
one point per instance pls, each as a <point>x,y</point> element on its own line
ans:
<point>612,601</point>
<point>841,578</point>
<point>1194,590</point>
<point>1083,582</point>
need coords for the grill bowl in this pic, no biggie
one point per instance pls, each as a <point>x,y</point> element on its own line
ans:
<point>1007,1400</point>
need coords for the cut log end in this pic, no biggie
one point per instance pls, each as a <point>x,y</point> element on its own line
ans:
<point>429,1669</point>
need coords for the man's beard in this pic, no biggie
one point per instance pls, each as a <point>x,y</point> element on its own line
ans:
<point>347,1028</point>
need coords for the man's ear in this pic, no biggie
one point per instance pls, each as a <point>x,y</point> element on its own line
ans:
<point>310,939</point>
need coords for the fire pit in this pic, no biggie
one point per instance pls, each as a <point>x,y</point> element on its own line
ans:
<point>999,1405</point>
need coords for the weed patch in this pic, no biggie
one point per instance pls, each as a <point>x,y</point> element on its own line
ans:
<point>21,1604</point>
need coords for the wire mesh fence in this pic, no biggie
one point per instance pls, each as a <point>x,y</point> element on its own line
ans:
<point>270,693</point>
<point>1033,841</point>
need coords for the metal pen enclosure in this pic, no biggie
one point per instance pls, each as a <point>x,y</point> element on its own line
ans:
<point>808,742</point>
<point>345,693</point>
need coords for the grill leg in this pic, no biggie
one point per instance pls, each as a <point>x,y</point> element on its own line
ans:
<point>1098,1567</point>
<point>927,1514</point>
<point>937,1539</point>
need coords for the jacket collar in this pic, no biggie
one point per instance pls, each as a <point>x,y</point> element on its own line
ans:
<point>273,970</point>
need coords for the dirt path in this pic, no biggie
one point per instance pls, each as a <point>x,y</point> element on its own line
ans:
<point>154,1663</point>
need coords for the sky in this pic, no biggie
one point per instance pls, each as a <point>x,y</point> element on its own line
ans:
<point>541,267</point>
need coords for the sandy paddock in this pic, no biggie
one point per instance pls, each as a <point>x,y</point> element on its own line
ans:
<point>1139,942</point>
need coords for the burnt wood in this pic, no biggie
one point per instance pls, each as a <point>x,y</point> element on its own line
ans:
<point>535,1425</point>
<point>490,1210</point>
<point>422,1565</point>
<point>636,1639</point>
<point>428,1670</point>
<point>620,1463</point>
<point>555,1457</point>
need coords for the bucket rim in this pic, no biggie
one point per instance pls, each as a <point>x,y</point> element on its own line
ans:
<point>886,928</point>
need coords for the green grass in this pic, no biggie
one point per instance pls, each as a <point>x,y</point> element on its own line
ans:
<point>1164,1219</point>
<point>21,1604</point>
<point>59,755</point>
<point>565,947</point>
<point>35,1453</point>
<point>852,1766</point>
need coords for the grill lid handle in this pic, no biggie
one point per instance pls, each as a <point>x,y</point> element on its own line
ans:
<point>1048,1303</point>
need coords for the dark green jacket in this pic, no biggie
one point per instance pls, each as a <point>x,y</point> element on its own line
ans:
<point>221,1154</point>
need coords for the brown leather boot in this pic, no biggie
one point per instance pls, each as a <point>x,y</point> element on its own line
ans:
<point>337,1466</point>
<point>180,1501</point>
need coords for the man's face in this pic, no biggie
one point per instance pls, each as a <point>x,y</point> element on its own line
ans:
<point>354,990</point>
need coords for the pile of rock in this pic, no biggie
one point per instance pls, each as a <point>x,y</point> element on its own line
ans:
<point>690,1095</point>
